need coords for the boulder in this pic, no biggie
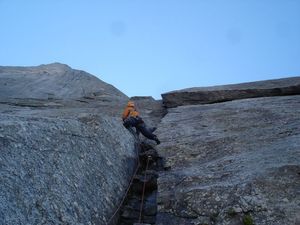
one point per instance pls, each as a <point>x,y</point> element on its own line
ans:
<point>214,94</point>
<point>231,162</point>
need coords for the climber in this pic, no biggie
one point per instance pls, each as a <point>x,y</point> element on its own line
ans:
<point>131,118</point>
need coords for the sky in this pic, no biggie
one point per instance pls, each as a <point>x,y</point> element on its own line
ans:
<point>149,47</point>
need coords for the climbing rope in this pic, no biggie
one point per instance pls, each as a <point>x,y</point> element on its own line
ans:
<point>144,187</point>
<point>127,190</point>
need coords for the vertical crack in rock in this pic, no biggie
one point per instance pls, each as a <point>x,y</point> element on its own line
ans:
<point>131,209</point>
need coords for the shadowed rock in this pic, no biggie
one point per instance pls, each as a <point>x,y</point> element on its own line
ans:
<point>205,95</point>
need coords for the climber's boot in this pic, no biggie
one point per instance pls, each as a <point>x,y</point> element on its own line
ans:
<point>157,141</point>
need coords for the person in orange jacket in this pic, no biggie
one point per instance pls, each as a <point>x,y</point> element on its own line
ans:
<point>131,118</point>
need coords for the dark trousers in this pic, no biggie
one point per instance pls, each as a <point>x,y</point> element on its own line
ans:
<point>140,126</point>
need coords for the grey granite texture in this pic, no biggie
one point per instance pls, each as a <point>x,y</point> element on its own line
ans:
<point>215,94</point>
<point>230,162</point>
<point>65,156</point>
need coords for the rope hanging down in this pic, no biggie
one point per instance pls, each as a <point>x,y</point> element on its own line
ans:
<point>144,187</point>
<point>127,190</point>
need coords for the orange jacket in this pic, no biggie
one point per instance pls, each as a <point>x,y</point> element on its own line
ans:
<point>130,111</point>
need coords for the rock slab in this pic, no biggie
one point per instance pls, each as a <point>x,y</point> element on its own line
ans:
<point>231,162</point>
<point>65,156</point>
<point>215,94</point>
<point>51,81</point>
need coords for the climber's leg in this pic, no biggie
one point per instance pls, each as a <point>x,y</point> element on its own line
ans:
<point>152,129</point>
<point>147,133</point>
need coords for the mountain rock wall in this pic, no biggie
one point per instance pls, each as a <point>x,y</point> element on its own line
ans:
<point>215,94</point>
<point>231,163</point>
<point>65,156</point>
<point>231,154</point>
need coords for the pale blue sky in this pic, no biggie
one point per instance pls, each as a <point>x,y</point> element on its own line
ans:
<point>148,47</point>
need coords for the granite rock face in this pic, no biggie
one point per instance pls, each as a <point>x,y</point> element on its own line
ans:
<point>52,81</point>
<point>231,163</point>
<point>205,95</point>
<point>65,156</point>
